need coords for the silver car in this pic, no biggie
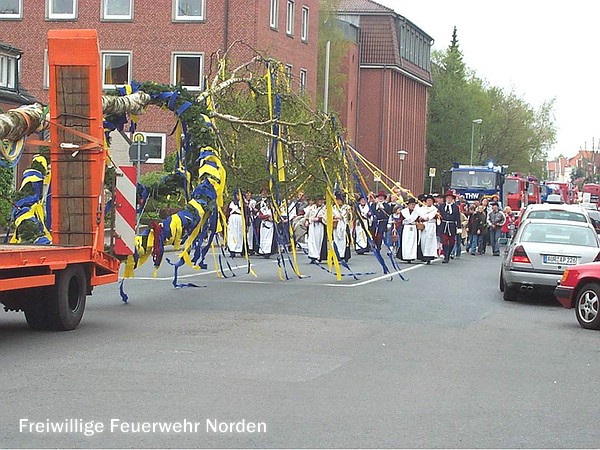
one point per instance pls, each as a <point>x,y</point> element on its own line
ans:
<point>573,213</point>
<point>541,251</point>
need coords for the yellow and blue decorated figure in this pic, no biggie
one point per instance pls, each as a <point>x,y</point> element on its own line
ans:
<point>30,214</point>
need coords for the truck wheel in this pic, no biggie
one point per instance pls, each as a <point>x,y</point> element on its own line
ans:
<point>67,302</point>
<point>36,313</point>
<point>587,306</point>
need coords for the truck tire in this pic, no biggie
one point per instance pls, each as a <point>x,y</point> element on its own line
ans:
<point>36,313</point>
<point>67,300</point>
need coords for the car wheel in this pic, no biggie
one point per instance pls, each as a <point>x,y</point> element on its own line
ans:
<point>501,282</point>
<point>510,293</point>
<point>587,306</point>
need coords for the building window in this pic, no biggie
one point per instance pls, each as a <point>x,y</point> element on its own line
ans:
<point>303,76</point>
<point>156,147</point>
<point>188,69</point>
<point>117,9</point>
<point>274,15</point>
<point>304,30</point>
<point>186,10</point>
<point>8,72</point>
<point>11,9</point>
<point>116,69</point>
<point>289,23</point>
<point>46,81</point>
<point>62,9</point>
<point>289,71</point>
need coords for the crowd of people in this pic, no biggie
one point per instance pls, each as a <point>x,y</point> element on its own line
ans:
<point>402,226</point>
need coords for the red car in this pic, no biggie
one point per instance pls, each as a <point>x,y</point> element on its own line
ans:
<point>579,288</point>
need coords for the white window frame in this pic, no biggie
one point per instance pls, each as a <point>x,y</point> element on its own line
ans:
<point>163,147</point>
<point>46,80</point>
<point>176,55</point>
<point>19,15</point>
<point>8,71</point>
<point>274,14</point>
<point>60,16</point>
<point>304,29</point>
<point>106,16</point>
<point>178,18</point>
<point>303,80</point>
<point>105,53</point>
<point>289,20</point>
<point>289,71</point>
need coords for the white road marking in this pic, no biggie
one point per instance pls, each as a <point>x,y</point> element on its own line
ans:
<point>374,280</point>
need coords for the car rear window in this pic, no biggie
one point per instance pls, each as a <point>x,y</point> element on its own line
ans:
<point>545,233</point>
<point>557,215</point>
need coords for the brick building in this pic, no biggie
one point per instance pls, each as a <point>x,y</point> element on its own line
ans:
<point>166,41</point>
<point>12,94</point>
<point>394,75</point>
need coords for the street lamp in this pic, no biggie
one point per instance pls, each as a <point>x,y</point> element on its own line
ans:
<point>401,154</point>
<point>475,121</point>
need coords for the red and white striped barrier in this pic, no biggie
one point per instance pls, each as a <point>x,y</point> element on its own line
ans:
<point>125,207</point>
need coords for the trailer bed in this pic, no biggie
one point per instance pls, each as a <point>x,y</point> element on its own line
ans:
<point>23,266</point>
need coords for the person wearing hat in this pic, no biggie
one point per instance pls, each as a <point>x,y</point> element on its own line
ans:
<point>450,216</point>
<point>409,236</point>
<point>267,243</point>
<point>383,210</point>
<point>495,220</point>
<point>362,226</point>
<point>341,231</point>
<point>428,236</point>
<point>316,216</point>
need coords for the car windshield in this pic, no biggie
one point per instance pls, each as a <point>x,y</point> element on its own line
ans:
<point>557,215</point>
<point>545,233</point>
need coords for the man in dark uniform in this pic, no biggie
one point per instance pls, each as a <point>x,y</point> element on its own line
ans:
<point>450,215</point>
<point>383,210</point>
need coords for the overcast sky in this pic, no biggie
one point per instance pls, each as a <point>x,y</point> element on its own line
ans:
<point>542,49</point>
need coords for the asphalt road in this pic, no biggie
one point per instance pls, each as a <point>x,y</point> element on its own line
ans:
<point>439,360</point>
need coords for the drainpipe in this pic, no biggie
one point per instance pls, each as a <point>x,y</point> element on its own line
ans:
<point>226,27</point>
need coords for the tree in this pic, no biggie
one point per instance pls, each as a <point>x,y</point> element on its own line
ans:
<point>512,132</point>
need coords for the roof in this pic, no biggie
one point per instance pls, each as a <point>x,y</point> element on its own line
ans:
<point>7,48</point>
<point>381,30</point>
<point>379,41</point>
<point>23,97</point>
<point>363,6</point>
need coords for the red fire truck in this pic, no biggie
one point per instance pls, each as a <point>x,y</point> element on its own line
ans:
<point>591,194</point>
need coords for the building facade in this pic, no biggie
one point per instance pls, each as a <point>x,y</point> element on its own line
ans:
<point>12,94</point>
<point>166,41</point>
<point>393,81</point>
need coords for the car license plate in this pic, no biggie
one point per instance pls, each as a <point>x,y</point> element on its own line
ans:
<point>562,260</point>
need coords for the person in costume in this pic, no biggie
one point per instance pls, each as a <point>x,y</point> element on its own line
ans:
<point>394,230</point>
<point>362,223</point>
<point>251,223</point>
<point>267,238</point>
<point>342,215</point>
<point>450,216</point>
<point>316,215</point>
<point>382,213</point>
<point>235,228</point>
<point>410,236</point>
<point>428,236</point>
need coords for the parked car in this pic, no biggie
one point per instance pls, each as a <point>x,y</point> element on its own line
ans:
<point>579,288</point>
<point>574,213</point>
<point>595,216</point>
<point>540,252</point>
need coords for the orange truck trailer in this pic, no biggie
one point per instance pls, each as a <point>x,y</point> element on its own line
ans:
<point>49,283</point>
